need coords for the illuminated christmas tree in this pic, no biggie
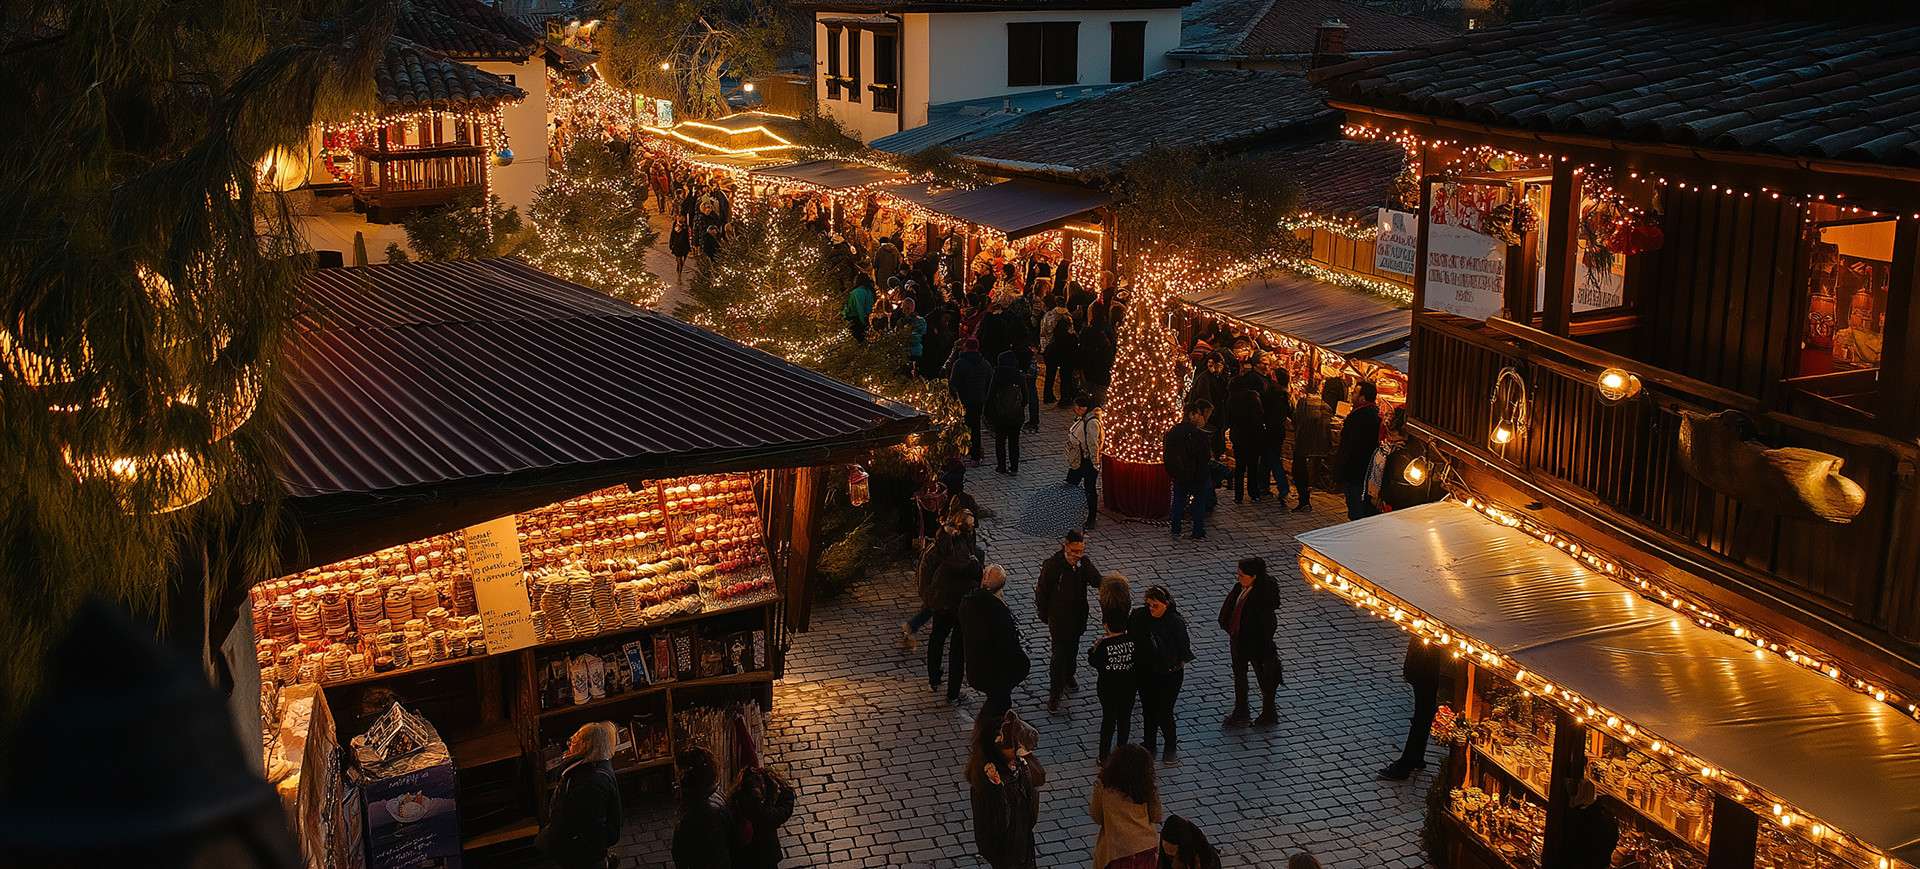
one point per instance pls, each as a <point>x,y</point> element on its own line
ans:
<point>1144,400</point>
<point>590,227</point>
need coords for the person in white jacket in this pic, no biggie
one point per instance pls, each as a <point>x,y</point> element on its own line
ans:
<point>1083,454</point>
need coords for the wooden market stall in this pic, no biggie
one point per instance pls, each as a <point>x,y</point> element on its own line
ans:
<point>1329,329</point>
<point>525,506</point>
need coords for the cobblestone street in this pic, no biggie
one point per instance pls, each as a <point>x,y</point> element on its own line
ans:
<point>876,756</point>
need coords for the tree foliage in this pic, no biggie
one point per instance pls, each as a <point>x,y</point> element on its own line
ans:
<point>1203,208</point>
<point>462,229</point>
<point>590,227</point>
<point>699,42</point>
<point>147,283</point>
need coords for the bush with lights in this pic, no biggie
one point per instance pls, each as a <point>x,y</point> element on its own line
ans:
<point>590,227</point>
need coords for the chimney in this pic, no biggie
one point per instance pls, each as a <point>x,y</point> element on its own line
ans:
<point>1329,43</point>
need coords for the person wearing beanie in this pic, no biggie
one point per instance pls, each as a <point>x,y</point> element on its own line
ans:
<point>968,383</point>
<point>703,838</point>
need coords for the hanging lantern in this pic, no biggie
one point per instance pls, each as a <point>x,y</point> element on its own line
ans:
<point>1509,402</point>
<point>1617,385</point>
<point>503,157</point>
<point>857,489</point>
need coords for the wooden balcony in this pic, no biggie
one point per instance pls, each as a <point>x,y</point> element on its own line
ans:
<point>390,184</point>
<point>1619,464</point>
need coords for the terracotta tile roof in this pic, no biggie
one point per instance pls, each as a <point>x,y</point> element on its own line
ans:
<point>1181,108</point>
<point>1339,177</point>
<point>467,29</point>
<point>1288,27</point>
<point>410,77</point>
<point>1843,90</point>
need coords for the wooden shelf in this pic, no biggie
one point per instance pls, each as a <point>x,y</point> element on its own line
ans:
<point>643,766</point>
<point>1665,832</point>
<point>710,681</point>
<point>1494,761</point>
<point>606,636</point>
<point>525,828</point>
<point>404,671</point>
<point>484,745</point>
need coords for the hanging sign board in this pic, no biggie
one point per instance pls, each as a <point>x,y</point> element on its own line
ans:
<point>1393,244</point>
<point>493,551</point>
<point>1466,270</point>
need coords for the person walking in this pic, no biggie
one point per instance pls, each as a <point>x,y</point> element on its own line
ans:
<point>583,821</point>
<point>1277,403</point>
<point>1005,778</point>
<point>958,576</point>
<point>1421,671</point>
<point>1006,412</point>
<point>995,661</point>
<point>680,244</point>
<point>859,307</point>
<point>1248,617</point>
<point>1126,806</point>
<point>1188,458</point>
<point>1161,651</point>
<point>703,839</point>
<point>1098,343</point>
<point>1083,454</point>
<point>1359,438</point>
<point>762,802</point>
<point>1247,427</point>
<point>1061,595</point>
<point>1312,437</point>
<point>957,533</point>
<point>1112,660</point>
<point>1063,356</point>
<point>1183,846</point>
<point>971,376</point>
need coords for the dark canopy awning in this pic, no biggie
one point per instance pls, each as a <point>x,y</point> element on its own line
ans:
<point>831,174</point>
<point>1344,321</point>
<point>423,392</point>
<point>1841,756</point>
<point>1018,208</point>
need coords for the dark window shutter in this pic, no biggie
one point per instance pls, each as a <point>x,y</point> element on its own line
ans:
<point>853,64</point>
<point>884,61</point>
<point>1023,55</point>
<point>1060,54</point>
<point>1129,51</point>
<point>833,63</point>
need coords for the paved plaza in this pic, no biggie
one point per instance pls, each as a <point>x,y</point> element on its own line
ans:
<point>877,756</point>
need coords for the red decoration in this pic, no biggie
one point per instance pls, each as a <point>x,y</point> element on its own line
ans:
<point>1136,489</point>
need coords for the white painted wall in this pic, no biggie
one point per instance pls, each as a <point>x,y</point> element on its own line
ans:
<point>953,56</point>
<point>526,124</point>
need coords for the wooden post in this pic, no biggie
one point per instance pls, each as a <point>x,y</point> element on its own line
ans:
<point>1569,764</point>
<point>809,502</point>
<point>1900,362</point>
<point>1420,244</point>
<point>1519,265</point>
<point>1563,255</point>
<point>1736,833</point>
<point>1107,232</point>
<point>1062,273</point>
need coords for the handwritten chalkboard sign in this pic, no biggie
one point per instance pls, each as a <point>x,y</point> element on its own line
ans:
<point>493,551</point>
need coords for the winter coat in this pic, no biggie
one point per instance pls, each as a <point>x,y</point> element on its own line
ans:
<point>886,262</point>
<point>680,241</point>
<point>996,333</point>
<point>1247,417</point>
<point>1004,814</point>
<point>1061,593</point>
<point>957,577</point>
<point>1187,453</point>
<point>1007,394</point>
<point>1254,641</point>
<point>996,662</point>
<point>1277,404</point>
<point>1358,439</point>
<point>972,374</point>
<point>1063,349</point>
<point>1213,388</point>
<point>584,818</point>
<point>1126,827</point>
<point>704,837</point>
<point>1312,427</point>
<point>945,544</point>
<point>762,848</point>
<point>1096,355</point>
<point>1159,645</point>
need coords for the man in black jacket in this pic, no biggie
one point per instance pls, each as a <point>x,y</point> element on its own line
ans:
<point>971,376</point>
<point>996,662</point>
<point>1359,437</point>
<point>1188,455</point>
<point>957,576</point>
<point>1061,595</point>
<point>1247,426</point>
<point>1277,403</point>
<point>1248,617</point>
<point>1421,671</point>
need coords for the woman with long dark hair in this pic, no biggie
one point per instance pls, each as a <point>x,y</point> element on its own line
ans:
<point>1183,846</point>
<point>1005,780</point>
<point>1126,805</point>
<point>1161,650</point>
<point>1248,617</point>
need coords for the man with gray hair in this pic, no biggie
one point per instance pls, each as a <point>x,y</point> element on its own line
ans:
<point>996,662</point>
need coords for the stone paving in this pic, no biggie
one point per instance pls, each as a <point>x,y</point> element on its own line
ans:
<point>876,756</point>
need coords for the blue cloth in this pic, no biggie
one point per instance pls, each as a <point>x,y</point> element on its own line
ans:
<point>863,300</point>
<point>917,328</point>
<point>1357,506</point>
<point>1194,495</point>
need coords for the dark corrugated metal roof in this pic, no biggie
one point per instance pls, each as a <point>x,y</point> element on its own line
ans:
<point>832,174</point>
<point>427,374</point>
<point>1344,321</point>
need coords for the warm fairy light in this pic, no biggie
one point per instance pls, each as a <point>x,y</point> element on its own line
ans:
<point>1617,384</point>
<point>1415,472</point>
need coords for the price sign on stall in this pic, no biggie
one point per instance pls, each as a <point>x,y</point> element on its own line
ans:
<point>493,550</point>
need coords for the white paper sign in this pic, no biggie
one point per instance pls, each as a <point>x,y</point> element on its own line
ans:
<point>1393,244</point>
<point>1466,272</point>
<point>493,551</point>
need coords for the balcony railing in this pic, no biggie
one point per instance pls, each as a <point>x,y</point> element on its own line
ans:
<point>886,98</point>
<point>1626,458</point>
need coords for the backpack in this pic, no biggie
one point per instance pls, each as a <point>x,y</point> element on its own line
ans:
<point>1008,401</point>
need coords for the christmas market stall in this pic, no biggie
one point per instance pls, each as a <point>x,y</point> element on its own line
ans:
<point>1702,744</point>
<point>525,507</point>
<point>1322,330</point>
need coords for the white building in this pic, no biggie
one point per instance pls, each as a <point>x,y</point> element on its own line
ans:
<point>878,66</point>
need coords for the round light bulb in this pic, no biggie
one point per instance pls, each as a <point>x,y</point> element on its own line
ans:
<point>665,65</point>
<point>1502,434</point>
<point>748,87</point>
<point>1617,385</point>
<point>1415,472</point>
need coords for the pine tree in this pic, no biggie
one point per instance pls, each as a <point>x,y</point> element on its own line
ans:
<point>590,227</point>
<point>770,287</point>
<point>147,283</point>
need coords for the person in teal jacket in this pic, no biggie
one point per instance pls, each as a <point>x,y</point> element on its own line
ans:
<point>859,307</point>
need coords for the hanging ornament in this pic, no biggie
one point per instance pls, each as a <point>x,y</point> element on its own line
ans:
<point>503,157</point>
<point>857,489</point>
<point>584,79</point>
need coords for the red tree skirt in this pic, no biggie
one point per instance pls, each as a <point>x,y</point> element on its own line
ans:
<point>1143,491</point>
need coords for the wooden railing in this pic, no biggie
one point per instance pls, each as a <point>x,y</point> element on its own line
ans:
<point>1624,458</point>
